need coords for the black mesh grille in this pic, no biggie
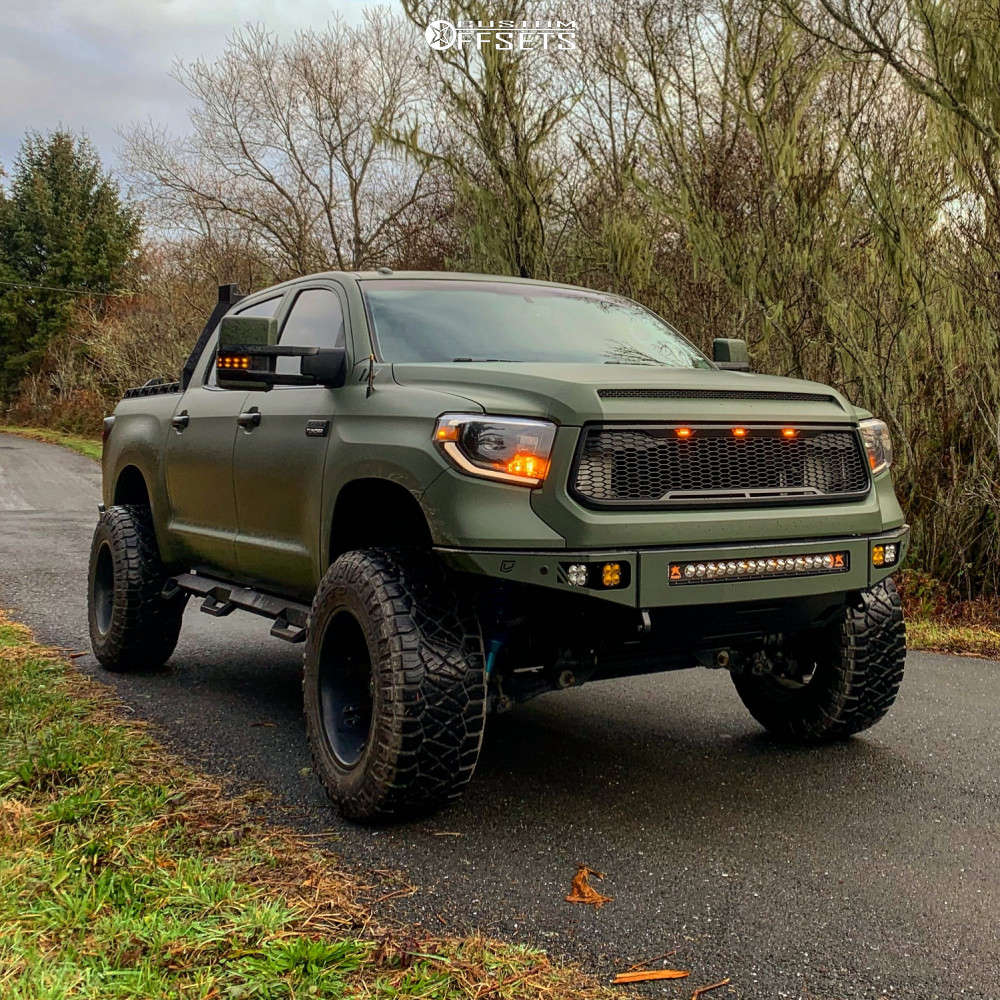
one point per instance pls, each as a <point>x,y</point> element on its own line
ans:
<point>801,397</point>
<point>652,466</point>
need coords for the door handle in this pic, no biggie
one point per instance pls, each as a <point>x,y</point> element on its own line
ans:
<point>180,421</point>
<point>249,419</point>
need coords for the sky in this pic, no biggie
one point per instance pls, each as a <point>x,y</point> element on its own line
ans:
<point>96,66</point>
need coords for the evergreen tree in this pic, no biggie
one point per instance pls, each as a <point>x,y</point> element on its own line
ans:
<point>63,225</point>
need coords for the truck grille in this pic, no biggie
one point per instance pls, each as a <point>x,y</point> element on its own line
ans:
<point>652,466</point>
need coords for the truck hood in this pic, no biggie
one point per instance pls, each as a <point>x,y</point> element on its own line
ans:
<point>577,393</point>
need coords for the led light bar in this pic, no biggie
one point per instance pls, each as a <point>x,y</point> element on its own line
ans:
<point>755,569</point>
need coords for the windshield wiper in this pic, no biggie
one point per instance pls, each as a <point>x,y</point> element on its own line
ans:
<point>509,361</point>
<point>642,364</point>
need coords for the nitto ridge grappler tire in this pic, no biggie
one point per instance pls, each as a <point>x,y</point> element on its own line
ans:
<point>132,627</point>
<point>843,688</point>
<point>394,686</point>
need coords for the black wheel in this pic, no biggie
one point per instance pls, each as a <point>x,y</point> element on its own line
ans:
<point>845,679</point>
<point>132,627</point>
<point>394,686</point>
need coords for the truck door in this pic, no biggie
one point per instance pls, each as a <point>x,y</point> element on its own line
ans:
<point>198,462</point>
<point>280,457</point>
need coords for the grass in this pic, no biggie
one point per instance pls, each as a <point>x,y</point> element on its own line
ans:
<point>938,620</point>
<point>91,447</point>
<point>123,875</point>
<point>942,637</point>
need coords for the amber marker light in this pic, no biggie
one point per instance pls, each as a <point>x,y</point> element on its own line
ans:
<point>739,432</point>
<point>527,465</point>
<point>233,361</point>
<point>683,432</point>
<point>447,432</point>
<point>789,432</point>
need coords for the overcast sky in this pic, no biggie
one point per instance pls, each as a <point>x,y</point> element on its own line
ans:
<point>96,65</point>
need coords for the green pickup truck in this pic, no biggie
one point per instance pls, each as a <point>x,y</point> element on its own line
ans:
<point>463,491</point>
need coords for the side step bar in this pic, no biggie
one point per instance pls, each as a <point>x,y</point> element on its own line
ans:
<point>222,598</point>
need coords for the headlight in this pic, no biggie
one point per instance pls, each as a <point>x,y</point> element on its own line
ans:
<point>875,434</point>
<point>504,448</point>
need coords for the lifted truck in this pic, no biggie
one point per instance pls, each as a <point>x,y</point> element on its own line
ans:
<point>462,491</point>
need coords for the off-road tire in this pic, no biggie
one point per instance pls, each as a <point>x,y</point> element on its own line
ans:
<point>132,627</point>
<point>427,687</point>
<point>856,678</point>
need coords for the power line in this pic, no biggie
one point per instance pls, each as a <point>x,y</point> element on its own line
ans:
<point>67,291</point>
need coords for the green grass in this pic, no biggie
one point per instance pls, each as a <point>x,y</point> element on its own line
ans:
<point>91,447</point>
<point>124,875</point>
<point>944,637</point>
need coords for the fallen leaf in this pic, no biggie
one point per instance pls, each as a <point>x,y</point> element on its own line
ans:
<point>269,725</point>
<point>583,892</point>
<point>650,974</point>
<point>705,989</point>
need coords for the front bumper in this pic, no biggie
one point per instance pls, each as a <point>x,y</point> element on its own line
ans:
<point>647,583</point>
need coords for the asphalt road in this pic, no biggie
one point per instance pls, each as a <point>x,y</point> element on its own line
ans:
<point>865,870</point>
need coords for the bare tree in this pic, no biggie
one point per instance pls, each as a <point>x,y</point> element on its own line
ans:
<point>946,52</point>
<point>497,115</point>
<point>283,144</point>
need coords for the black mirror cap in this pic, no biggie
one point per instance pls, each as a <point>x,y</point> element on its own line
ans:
<point>328,367</point>
<point>731,354</point>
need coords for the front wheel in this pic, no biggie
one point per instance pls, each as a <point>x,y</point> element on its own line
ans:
<point>394,686</point>
<point>846,677</point>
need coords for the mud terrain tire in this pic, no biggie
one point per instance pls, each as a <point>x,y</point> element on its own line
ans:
<point>857,668</point>
<point>132,627</point>
<point>394,686</point>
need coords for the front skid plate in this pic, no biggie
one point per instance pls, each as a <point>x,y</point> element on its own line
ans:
<point>648,582</point>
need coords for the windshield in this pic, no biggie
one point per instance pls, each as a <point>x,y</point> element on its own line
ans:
<point>442,320</point>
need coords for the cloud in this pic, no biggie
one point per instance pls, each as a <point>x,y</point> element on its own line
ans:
<point>96,66</point>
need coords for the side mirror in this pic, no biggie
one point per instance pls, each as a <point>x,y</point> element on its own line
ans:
<point>327,367</point>
<point>731,354</point>
<point>238,336</point>
<point>248,351</point>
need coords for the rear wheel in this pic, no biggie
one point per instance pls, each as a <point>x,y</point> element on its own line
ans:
<point>393,686</point>
<point>132,627</point>
<point>845,679</point>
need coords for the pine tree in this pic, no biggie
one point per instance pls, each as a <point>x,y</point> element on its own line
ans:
<point>63,226</point>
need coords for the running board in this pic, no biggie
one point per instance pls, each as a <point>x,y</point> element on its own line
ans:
<point>222,598</point>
